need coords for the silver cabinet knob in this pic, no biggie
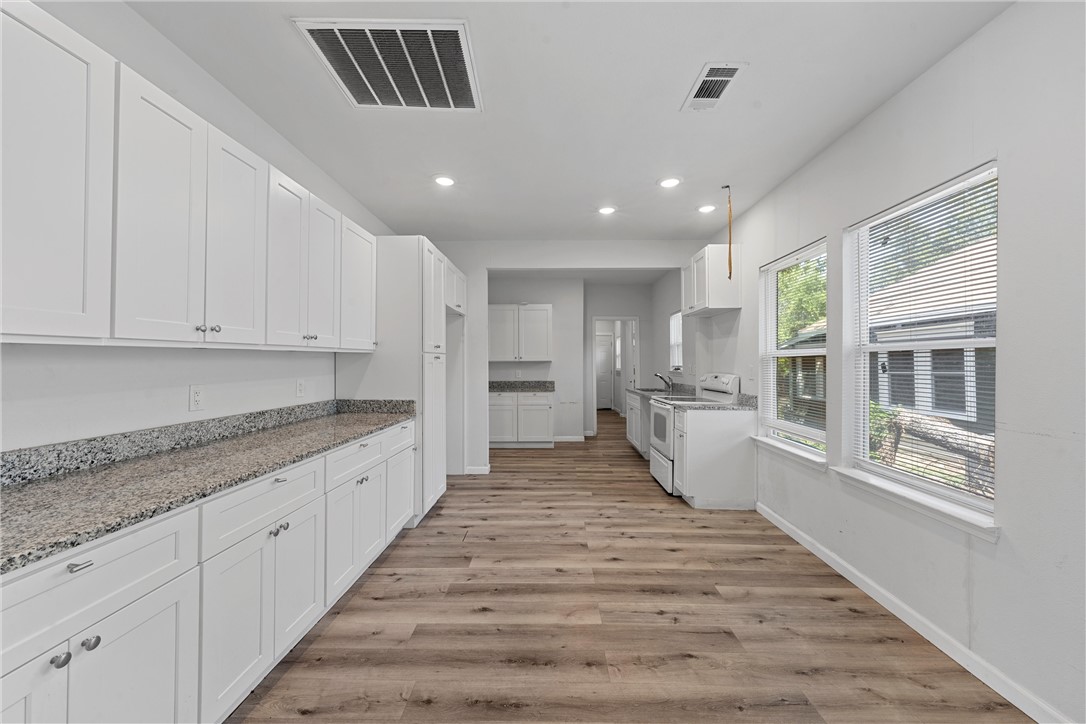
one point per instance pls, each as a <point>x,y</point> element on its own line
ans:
<point>92,643</point>
<point>458,306</point>
<point>437,346</point>
<point>363,444</point>
<point>77,567</point>
<point>201,327</point>
<point>61,660</point>
<point>313,337</point>
<point>274,532</point>
<point>284,526</point>
<point>216,328</point>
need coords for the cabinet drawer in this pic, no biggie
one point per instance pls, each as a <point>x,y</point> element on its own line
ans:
<point>503,399</point>
<point>535,398</point>
<point>350,461</point>
<point>55,603</point>
<point>398,438</point>
<point>231,518</point>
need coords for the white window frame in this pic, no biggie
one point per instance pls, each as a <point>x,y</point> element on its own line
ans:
<point>857,460</point>
<point>675,347</point>
<point>770,426</point>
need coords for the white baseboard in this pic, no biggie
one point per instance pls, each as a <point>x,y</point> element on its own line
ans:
<point>477,470</point>
<point>569,438</point>
<point>986,672</point>
<point>589,433</point>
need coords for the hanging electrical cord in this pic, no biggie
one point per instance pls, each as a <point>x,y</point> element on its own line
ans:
<point>729,188</point>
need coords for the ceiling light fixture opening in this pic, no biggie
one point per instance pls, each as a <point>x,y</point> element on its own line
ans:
<point>444,180</point>
<point>707,209</point>
<point>670,182</point>
<point>607,210</point>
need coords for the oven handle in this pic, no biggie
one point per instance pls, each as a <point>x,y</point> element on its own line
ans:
<point>661,405</point>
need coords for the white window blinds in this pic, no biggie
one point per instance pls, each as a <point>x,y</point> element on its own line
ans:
<point>926,326</point>
<point>675,346</point>
<point>792,403</point>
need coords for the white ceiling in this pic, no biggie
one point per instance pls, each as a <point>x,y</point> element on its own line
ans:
<point>581,105</point>
<point>590,276</point>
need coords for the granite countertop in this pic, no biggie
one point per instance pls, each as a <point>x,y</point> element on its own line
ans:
<point>522,385</point>
<point>44,517</point>
<point>746,403</point>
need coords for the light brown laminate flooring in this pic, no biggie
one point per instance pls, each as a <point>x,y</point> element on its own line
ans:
<point>566,586</point>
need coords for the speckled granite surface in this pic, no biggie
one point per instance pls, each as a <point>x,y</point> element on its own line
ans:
<point>522,385</point>
<point>405,406</point>
<point>33,463</point>
<point>44,517</point>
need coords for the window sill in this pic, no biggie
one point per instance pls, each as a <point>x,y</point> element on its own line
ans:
<point>974,522</point>
<point>810,458</point>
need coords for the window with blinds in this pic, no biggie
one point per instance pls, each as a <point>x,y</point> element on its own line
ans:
<point>926,331</point>
<point>675,346</point>
<point>792,403</point>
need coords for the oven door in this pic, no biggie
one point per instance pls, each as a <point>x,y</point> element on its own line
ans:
<point>661,432</point>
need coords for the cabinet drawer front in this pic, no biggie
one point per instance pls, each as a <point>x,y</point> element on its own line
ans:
<point>535,398</point>
<point>503,399</point>
<point>231,518</point>
<point>398,439</point>
<point>347,463</point>
<point>54,603</point>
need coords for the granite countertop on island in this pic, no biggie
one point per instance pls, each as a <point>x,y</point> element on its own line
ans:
<point>522,385</point>
<point>44,517</point>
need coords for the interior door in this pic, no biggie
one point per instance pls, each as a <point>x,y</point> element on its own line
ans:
<point>288,261</point>
<point>605,371</point>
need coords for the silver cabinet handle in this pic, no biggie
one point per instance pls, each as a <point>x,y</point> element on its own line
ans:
<point>458,306</point>
<point>77,567</point>
<point>61,660</point>
<point>437,346</point>
<point>284,526</point>
<point>363,479</point>
<point>274,532</point>
<point>415,448</point>
<point>363,444</point>
<point>92,643</point>
<point>201,327</point>
<point>403,427</point>
<point>216,328</point>
<point>280,480</point>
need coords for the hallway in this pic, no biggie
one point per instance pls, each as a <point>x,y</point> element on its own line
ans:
<point>567,586</point>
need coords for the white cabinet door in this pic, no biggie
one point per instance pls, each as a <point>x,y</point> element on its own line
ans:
<point>535,423</point>
<point>57,135</point>
<point>455,289</point>
<point>371,513</point>
<point>504,332</point>
<point>288,261</point>
<point>37,692</point>
<point>433,437</point>
<point>701,280</point>
<point>678,470</point>
<point>687,289</point>
<point>142,663</point>
<point>237,242</point>
<point>299,573</point>
<point>433,299</point>
<point>322,287</point>
<point>535,332</point>
<point>342,547</point>
<point>633,422</point>
<point>161,215</point>
<point>503,423</point>
<point>399,492</point>
<point>237,618</point>
<point>358,288</point>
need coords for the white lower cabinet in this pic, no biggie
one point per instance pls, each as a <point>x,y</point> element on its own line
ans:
<point>355,529</point>
<point>399,493</point>
<point>299,574</point>
<point>521,417</point>
<point>433,434</point>
<point>535,423</point>
<point>37,691</point>
<point>678,469</point>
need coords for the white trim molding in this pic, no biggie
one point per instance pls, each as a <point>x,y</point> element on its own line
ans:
<point>569,438</point>
<point>970,660</point>
<point>477,470</point>
<point>810,458</point>
<point>975,522</point>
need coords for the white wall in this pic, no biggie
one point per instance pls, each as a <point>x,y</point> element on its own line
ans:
<point>610,301</point>
<point>1012,611</point>
<point>475,258</point>
<point>57,393</point>
<point>567,298</point>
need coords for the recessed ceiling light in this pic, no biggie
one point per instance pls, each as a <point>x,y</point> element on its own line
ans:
<point>444,180</point>
<point>707,209</point>
<point>607,210</point>
<point>670,182</point>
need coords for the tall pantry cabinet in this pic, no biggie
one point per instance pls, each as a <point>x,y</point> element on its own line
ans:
<point>412,363</point>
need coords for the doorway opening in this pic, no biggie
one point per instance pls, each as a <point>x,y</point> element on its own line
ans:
<point>615,361</point>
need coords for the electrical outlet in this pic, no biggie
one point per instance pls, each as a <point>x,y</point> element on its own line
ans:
<point>519,373</point>
<point>196,397</point>
<point>299,390</point>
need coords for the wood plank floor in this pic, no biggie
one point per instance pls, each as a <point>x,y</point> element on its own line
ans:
<point>566,586</point>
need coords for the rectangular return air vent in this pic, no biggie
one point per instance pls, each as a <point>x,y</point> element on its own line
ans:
<point>397,64</point>
<point>711,83</point>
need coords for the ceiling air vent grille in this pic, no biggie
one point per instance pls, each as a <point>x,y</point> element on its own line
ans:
<point>383,64</point>
<point>711,83</point>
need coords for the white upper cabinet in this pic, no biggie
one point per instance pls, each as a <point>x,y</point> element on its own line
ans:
<point>161,215</point>
<point>288,260</point>
<point>706,288</point>
<point>237,242</point>
<point>433,300</point>
<point>322,285</point>
<point>504,332</point>
<point>358,288</point>
<point>456,289</point>
<point>57,131</point>
<point>520,332</point>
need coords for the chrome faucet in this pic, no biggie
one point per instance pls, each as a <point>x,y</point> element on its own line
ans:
<point>667,381</point>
